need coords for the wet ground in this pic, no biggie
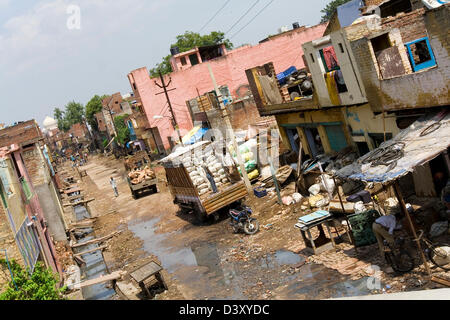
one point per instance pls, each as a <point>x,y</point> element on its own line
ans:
<point>210,262</point>
<point>203,270</point>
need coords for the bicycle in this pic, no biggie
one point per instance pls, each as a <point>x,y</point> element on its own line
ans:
<point>402,261</point>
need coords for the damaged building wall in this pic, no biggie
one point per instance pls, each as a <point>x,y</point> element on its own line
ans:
<point>330,126</point>
<point>284,50</point>
<point>425,88</point>
<point>46,191</point>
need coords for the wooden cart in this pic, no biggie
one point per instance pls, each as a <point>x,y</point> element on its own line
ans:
<point>149,275</point>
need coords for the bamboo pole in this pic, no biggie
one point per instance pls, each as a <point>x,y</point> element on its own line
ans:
<point>406,212</point>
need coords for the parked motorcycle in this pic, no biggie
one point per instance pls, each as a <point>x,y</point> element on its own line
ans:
<point>241,220</point>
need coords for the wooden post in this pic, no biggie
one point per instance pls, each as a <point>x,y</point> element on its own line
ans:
<point>274,177</point>
<point>406,212</point>
<point>350,232</point>
<point>299,164</point>
<point>231,131</point>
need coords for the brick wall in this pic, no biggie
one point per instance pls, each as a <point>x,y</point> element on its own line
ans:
<point>428,88</point>
<point>20,134</point>
<point>411,25</point>
<point>246,113</point>
<point>35,166</point>
<point>78,130</point>
<point>8,243</point>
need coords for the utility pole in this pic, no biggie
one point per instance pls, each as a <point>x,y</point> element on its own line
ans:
<point>230,129</point>
<point>166,92</point>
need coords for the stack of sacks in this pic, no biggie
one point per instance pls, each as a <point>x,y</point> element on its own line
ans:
<point>194,167</point>
<point>248,157</point>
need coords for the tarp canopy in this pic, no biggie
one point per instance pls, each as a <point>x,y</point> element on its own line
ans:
<point>197,136</point>
<point>423,141</point>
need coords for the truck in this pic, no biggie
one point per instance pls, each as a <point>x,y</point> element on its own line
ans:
<point>186,192</point>
<point>139,165</point>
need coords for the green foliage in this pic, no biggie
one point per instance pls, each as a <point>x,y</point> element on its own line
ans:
<point>105,143</point>
<point>73,113</point>
<point>188,41</point>
<point>92,107</point>
<point>41,285</point>
<point>330,9</point>
<point>123,134</point>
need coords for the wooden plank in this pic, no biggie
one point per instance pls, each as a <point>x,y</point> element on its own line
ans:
<point>113,276</point>
<point>146,271</point>
<point>390,62</point>
<point>95,240</point>
<point>226,201</point>
<point>91,251</point>
<point>440,281</point>
<point>223,195</point>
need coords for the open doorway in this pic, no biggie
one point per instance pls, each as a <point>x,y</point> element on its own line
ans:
<point>314,141</point>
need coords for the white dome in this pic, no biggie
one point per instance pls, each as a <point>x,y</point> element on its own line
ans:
<point>50,123</point>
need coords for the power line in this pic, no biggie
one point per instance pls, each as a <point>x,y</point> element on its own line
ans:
<point>243,16</point>
<point>215,15</point>
<point>261,11</point>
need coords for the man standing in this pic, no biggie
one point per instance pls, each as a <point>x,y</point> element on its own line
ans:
<point>114,186</point>
<point>383,228</point>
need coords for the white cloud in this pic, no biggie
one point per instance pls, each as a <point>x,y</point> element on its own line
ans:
<point>4,3</point>
<point>41,34</point>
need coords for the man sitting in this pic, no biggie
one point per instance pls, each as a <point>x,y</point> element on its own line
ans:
<point>384,227</point>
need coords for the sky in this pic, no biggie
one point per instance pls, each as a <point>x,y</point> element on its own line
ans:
<point>56,51</point>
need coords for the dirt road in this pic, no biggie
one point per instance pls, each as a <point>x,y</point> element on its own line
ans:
<point>210,262</point>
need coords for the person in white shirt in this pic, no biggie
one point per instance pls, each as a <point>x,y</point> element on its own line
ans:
<point>383,228</point>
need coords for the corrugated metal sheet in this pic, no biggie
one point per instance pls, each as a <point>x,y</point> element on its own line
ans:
<point>423,141</point>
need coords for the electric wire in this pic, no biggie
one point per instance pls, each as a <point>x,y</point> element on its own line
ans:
<point>215,15</point>
<point>261,11</point>
<point>243,16</point>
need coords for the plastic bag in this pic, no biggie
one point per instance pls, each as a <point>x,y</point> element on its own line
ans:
<point>359,207</point>
<point>298,198</point>
<point>288,201</point>
<point>314,189</point>
<point>327,184</point>
<point>253,175</point>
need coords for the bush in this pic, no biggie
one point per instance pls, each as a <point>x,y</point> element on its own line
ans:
<point>41,285</point>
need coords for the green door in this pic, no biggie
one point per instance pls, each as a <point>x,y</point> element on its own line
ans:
<point>336,137</point>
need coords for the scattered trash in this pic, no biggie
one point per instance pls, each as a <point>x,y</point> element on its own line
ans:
<point>298,198</point>
<point>438,229</point>
<point>288,201</point>
<point>359,207</point>
<point>314,189</point>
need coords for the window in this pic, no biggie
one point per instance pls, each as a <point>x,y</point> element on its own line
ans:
<point>134,86</point>
<point>420,54</point>
<point>312,57</point>
<point>378,138</point>
<point>341,47</point>
<point>194,59</point>
<point>183,61</point>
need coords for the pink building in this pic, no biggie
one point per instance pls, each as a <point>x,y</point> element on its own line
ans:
<point>284,50</point>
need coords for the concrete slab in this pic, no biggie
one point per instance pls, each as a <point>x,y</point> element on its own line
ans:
<point>436,294</point>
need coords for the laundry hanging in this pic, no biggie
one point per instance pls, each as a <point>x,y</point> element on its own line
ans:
<point>330,58</point>
<point>332,88</point>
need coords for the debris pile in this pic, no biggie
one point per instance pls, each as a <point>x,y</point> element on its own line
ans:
<point>138,176</point>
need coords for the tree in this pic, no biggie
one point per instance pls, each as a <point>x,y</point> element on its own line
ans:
<point>123,133</point>
<point>74,113</point>
<point>41,285</point>
<point>92,107</point>
<point>330,9</point>
<point>60,117</point>
<point>188,41</point>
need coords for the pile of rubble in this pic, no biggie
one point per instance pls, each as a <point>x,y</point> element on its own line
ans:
<point>138,176</point>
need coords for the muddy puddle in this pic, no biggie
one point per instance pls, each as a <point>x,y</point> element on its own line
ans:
<point>203,270</point>
<point>95,264</point>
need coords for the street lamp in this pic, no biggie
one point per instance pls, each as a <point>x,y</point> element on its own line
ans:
<point>174,124</point>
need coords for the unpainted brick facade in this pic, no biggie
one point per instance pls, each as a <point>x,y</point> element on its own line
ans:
<point>425,88</point>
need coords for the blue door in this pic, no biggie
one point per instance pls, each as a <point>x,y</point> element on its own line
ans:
<point>336,137</point>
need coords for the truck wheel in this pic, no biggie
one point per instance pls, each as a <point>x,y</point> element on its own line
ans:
<point>201,216</point>
<point>155,189</point>
<point>134,195</point>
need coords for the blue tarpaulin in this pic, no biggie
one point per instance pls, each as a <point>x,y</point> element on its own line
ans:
<point>197,136</point>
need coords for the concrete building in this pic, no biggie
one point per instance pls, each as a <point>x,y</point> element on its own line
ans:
<point>228,67</point>
<point>29,194</point>
<point>371,79</point>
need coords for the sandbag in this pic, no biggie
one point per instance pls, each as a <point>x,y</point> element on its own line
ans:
<point>298,198</point>
<point>203,186</point>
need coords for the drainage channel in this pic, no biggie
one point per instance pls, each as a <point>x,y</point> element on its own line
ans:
<point>95,264</point>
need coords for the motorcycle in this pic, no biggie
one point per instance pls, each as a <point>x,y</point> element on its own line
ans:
<point>241,220</point>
